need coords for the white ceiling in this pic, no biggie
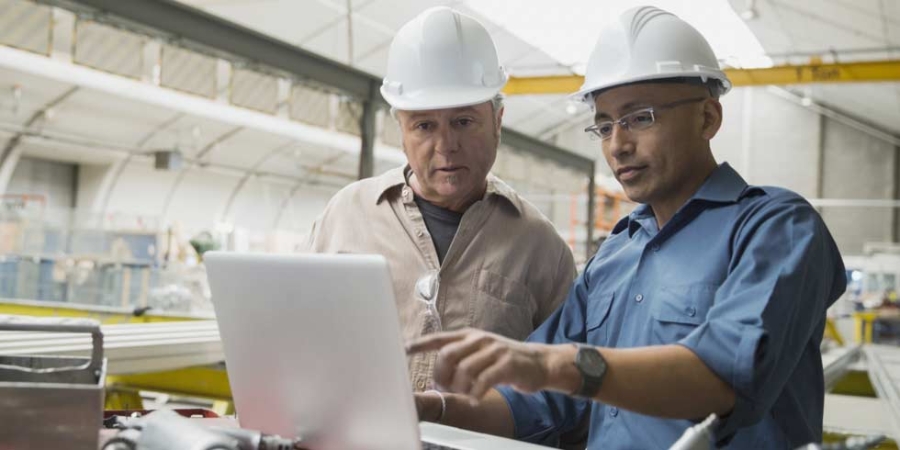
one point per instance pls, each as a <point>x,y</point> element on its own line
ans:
<point>321,26</point>
<point>94,127</point>
<point>114,124</point>
<point>851,29</point>
<point>781,27</point>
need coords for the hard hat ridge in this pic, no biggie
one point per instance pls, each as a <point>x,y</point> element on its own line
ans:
<point>442,59</point>
<point>647,44</point>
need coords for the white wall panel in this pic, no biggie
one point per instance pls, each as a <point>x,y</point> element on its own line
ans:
<point>857,166</point>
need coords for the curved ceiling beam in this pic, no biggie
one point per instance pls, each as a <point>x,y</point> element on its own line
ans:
<point>9,156</point>
<point>287,201</point>
<point>112,179</point>
<point>313,171</point>
<point>195,162</point>
<point>318,168</point>
<point>128,89</point>
<point>247,175</point>
<point>49,137</point>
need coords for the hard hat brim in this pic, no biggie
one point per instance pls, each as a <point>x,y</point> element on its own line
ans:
<point>584,94</point>
<point>440,99</point>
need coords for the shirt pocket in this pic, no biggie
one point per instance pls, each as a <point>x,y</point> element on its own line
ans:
<point>678,310</point>
<point>503,305</point>
<point>598,307</point>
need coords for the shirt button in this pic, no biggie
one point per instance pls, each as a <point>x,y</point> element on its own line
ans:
<point>691,311</point>
<point>639,298</point>
<point>420,384</point>
<point>613,412</point>
<point>420,233</point>
<point>655,247</point>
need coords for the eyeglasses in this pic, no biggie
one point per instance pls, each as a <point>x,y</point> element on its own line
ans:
<point>427,292</point>
<point>634,121</point>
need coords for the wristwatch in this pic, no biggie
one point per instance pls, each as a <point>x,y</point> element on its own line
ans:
<point>592,366</point>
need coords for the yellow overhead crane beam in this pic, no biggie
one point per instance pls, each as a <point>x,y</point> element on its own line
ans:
<point>856,72</point>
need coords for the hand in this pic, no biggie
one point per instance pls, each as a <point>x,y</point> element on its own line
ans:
<point>428,406</point>
<point>471,362</point>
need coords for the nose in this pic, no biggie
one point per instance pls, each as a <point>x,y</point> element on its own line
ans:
<point>620,143</point>
<point>447,141</point>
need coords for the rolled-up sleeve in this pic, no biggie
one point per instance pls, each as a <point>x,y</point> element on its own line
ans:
<point>541,417</point>
<point>781,280</point>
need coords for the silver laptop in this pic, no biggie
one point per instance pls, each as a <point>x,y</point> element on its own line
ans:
<point>313,349</point>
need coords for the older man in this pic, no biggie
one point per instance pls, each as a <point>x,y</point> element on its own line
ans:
<point>464,249</point>
<point>709,298</point>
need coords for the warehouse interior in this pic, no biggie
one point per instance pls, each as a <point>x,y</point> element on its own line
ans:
<point>135,135</point>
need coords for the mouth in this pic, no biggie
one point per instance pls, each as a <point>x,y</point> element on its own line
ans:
<point>449,169</point>
<point>629,172</point>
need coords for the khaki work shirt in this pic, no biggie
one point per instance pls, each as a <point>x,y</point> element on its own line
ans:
<point>506,271</point>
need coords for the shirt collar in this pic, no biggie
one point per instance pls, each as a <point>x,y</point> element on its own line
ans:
<point>498,187</point>
<point>389,180</point>
<point>396,178</point>
<point>724,185</point>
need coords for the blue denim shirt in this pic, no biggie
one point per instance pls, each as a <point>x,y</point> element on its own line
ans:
<point>741,276</point>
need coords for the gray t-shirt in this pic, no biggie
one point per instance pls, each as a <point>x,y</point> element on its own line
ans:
<point>441,224</point>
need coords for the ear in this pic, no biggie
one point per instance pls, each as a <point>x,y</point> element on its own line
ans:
<point>712,118</point>
<point>500,116</point>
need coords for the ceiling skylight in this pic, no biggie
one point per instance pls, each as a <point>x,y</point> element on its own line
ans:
<point>567,29</point>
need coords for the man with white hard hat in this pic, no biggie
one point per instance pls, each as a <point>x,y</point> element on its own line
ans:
<point>709,298</point>
<point>464,249</point>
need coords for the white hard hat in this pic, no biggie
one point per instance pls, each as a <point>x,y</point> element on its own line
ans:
<point>647,43</point>
<point>442,59</point>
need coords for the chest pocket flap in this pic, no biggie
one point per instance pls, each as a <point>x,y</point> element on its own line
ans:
<point>598,307</point>
<point>504,288</point>
<point>686,304</point>
<point>503,305</point>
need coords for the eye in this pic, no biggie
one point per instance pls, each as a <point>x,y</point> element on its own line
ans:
<point>465,121</point>
<point>424,126</point>
<point>605,129</point>
<point>642,118</point>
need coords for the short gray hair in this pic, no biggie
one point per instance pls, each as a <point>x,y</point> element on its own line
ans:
<point>496,105</point>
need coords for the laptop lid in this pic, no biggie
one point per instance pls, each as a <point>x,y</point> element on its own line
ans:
<point>313,348</point>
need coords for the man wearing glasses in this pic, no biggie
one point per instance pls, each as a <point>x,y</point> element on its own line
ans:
<point>464,249</point>
<point>709,298</point>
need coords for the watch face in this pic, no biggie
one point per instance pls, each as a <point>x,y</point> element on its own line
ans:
<point>590,362</point>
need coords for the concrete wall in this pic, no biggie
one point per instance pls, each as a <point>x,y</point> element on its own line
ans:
<point>90,180</point>
<point>858,167</point>
<point>52,179</point>
<point>770,141</point>
<point>774,141</point>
